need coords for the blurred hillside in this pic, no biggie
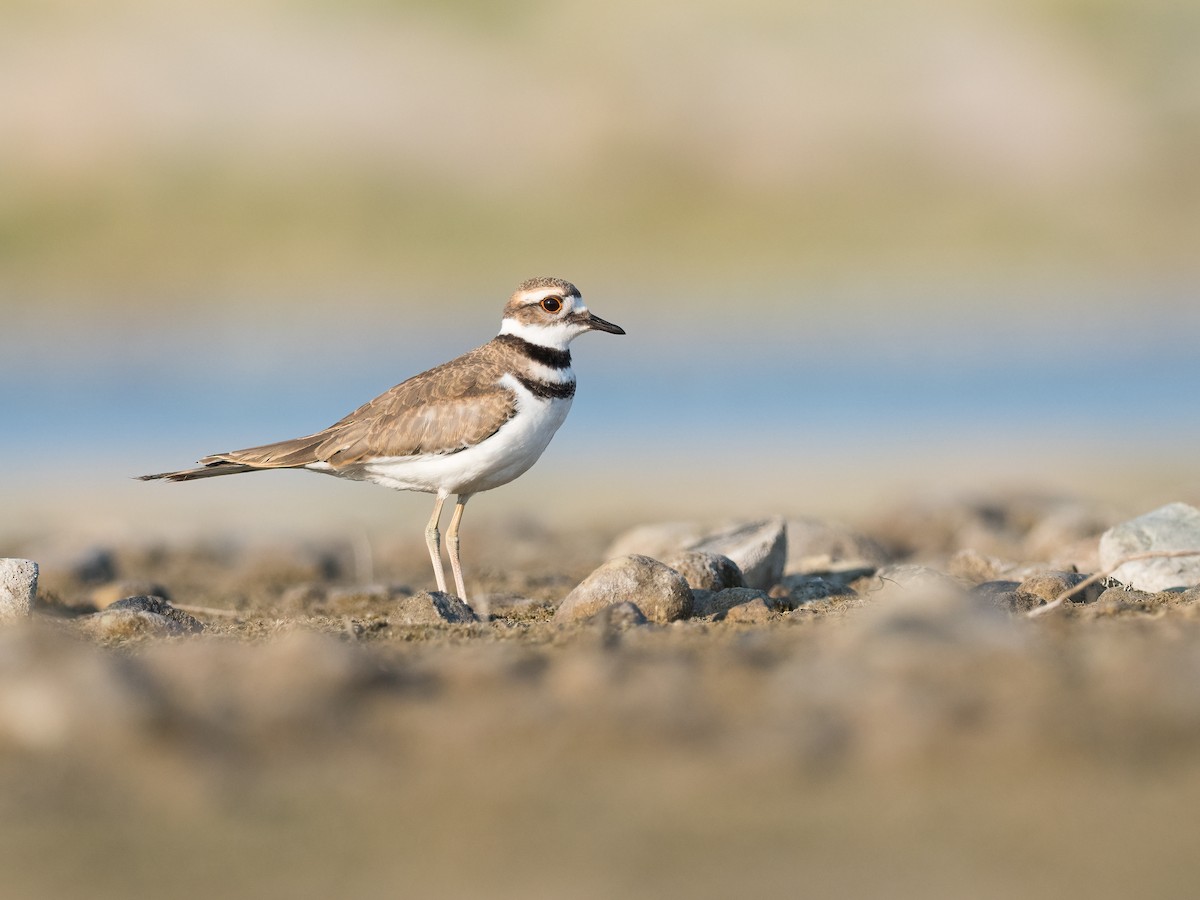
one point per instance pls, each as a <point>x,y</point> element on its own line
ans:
<point>155,154</point>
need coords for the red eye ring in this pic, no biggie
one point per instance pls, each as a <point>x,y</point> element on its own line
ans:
<point>551,304</point>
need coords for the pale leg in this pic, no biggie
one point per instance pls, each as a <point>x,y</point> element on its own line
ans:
<point>434,543</point>
<point>452,545</point>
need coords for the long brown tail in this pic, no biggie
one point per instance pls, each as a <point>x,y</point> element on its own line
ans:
<point>293,454</point>
<point>212,470</point>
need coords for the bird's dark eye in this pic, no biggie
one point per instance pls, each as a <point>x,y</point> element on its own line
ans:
<point>551,304</point>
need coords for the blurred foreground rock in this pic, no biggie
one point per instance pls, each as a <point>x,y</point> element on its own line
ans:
<point>1175,526</point>
<point>18,588</point>
<point>657,590</point>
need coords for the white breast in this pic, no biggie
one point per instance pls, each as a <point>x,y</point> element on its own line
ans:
<point>494,461</point>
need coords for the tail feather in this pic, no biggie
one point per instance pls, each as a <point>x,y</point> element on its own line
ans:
<point>211,470</point>
<point>293,454</point>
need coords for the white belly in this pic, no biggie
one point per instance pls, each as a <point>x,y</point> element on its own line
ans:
<point>495,461</point>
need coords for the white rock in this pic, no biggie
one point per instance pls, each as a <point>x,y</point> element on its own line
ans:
<point>18,587</point>
<point>1175,526</point>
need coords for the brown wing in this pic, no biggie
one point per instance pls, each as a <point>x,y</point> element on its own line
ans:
<point>444,410</point>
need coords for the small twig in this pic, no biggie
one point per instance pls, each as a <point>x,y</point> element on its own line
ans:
<point>207,611</point>
<point>1100,576</point>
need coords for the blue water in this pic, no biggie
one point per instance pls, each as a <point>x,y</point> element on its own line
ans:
<point>138,399</point>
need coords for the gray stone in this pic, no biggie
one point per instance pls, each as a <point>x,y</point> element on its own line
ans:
<point>658,591</point>
<point>432,608</point>
<point>706,571</point>
<point>758,548</point>
<point>18,587</point>
<point>717,603</point>
<point>1175,526</point>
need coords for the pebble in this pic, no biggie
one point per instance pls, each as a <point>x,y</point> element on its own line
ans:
<point>139,617</point>
<point>717,603</point>
<point>1175,526</point>
<point>1049,586</point>
<point>432,608</point>
<point>706,571</point>
<point>658,591</point>
<point>18,587</point>
<point>758,548</point>
<point>754,612</point>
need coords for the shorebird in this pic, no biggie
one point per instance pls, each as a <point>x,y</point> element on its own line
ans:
<point>468,425</point>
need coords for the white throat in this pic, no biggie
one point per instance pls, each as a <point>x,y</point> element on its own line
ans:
<point>556,336</point>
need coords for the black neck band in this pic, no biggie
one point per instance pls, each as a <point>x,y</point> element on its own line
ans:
<point>547,356</point>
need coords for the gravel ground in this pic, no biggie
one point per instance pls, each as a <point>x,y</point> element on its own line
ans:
<point>898,738</point>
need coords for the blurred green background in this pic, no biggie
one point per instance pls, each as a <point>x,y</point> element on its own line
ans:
<point>224,153</point>
<point>215,213</point>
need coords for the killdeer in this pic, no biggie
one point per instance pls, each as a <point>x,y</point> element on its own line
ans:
<point>468,425</point>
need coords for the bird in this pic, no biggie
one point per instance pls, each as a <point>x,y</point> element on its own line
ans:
<point>468,425</point>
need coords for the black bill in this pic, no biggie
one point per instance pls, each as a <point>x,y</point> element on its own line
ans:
<point>599,324</point>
